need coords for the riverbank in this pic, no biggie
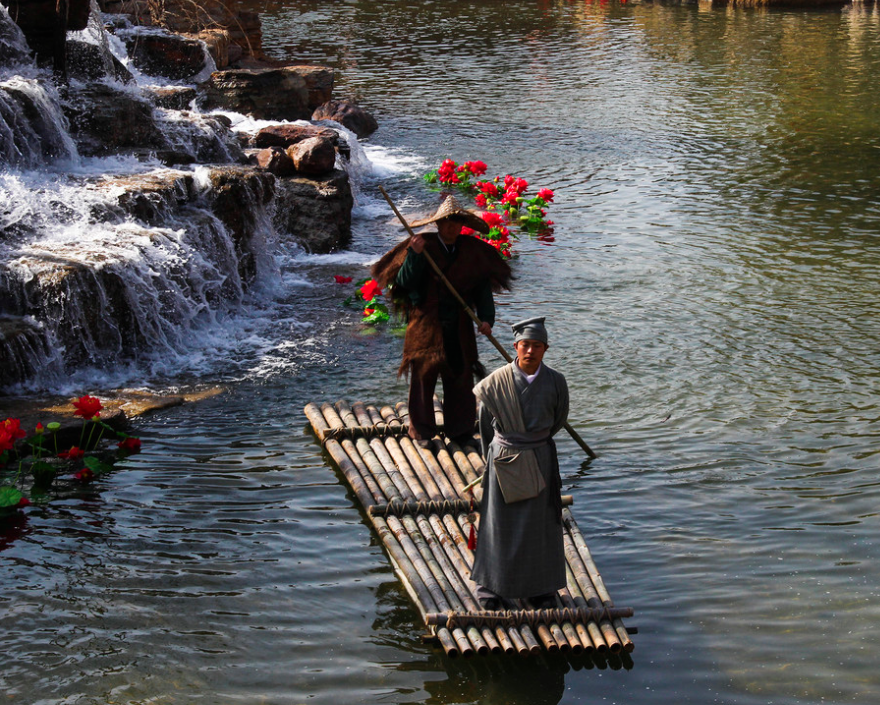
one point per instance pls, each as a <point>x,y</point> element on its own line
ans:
<point>150,184</point>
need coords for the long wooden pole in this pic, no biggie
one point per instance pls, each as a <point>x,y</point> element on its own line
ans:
<point>473,316</point>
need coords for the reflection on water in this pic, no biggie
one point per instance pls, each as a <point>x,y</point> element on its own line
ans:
<point>712,291</point>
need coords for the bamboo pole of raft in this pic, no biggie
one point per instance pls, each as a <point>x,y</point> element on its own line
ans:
<point>524,632</point>
<point>576,576</point>
<point>340,457</point>
<point>469,311</point>
<point>455,530</point>
<point>448,544</point>
<point>585,585</point>
<point>413,543</point>
<point>356,457</point>
<point>383,468</point>
<point>593,640</point>
<point>459,595</point>
<point>597,581</point>
<point>413,582</point>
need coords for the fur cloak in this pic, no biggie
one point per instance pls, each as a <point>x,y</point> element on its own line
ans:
<point>475,263</point>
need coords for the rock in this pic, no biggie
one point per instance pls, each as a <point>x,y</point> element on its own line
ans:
<point>171,97</point>
<point>231,187</point>
<point>348,115</point>
<point>168,55</point>
<point>315,212</point>
<point>218,42</point>
<point>24,350</point>
<point>276,161</point>
<point>107,120</point>
<point>286,135</point>
<point>282,93</point>
<point>88,62</point>
<point>314,155</point>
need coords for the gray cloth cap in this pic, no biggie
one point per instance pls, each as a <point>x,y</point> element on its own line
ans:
<point>530,329</point>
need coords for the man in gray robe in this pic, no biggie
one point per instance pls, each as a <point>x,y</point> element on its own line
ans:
<point>522,405</point>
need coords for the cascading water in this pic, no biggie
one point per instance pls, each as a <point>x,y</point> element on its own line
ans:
<point>113,267</point>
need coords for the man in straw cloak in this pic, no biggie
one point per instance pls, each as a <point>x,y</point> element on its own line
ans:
<point>440,339</point>
<point>520,551</point>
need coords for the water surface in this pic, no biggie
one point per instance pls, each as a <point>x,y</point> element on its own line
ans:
<point>711,292</point>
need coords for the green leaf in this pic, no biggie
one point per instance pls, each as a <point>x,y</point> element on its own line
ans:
<point>377,316</point>
<point>9,497</point>
<point>95,465</point>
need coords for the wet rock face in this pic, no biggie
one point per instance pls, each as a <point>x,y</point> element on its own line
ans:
<point>286,135</point>
<point>87,62</point>
<point>283,93</point>
<point>275,160</point>
<point>168,55</point>
<point>315,212</point>
<point>24,350</point>
<point>105,120</point>
<point>348,115</point>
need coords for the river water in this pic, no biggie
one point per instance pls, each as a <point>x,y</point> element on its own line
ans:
<point>712,297</point>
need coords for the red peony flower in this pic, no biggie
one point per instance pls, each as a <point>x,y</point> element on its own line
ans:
<point>23,502</point>
<point>368,312</point>
<point>446,172</point>
<point>84,475</point>
<point>87,407</point>
<point>488,188</point>
<point>467,231</point>
<point>73,454</point>
<point>39,429</point>
<point>477,168</point>
<point>508,181</point>
<point>370,290</point>
<point>481,201</point>
<point>510,198</point>
<point>13,429</point>
<point>130,445</point>
<point>492,219</point>
<point>341,279</point>
<point>546,195</point>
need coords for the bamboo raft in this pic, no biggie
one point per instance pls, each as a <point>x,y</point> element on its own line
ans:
<point>418,503</point>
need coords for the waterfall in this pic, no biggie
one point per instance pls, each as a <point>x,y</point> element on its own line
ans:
<point>113,267</point>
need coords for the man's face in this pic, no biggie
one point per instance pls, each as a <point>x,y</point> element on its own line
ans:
<point>448,229</point>
<point>529,354</point>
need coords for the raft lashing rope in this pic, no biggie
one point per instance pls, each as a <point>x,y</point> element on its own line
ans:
<point>416,501</point>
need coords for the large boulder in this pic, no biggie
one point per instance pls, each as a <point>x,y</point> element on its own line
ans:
<point>286,135</point>
<point>106,120</point>
<point>168,55</point>
<point>280,93</point>
<point>275,160</point>
<point>349,115</point>
<point>89,62</point>
<point>43,25</point>
<point>316,212</point>
<point>313,156</point>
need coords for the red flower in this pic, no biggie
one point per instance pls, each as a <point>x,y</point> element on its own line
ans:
<point>467,231</point>
<point>370,290</point>
<point>84,475</point>
<point>341,280</point>
<point>494,220</point>
<point>87,407</point>
<point>24,502</point>
<point>520,185</point>
<point>477,168</point>
<point>130,445</point>
<point>481,201</point>
<point>12,428</point>
<point>510,198</point>
<point>546,195</point>
<point>39,429</point>
<point>368,312</point>
<point>446,172</point>
<point>73,454</point>
<point>508,181</point>
<point>488,188</point>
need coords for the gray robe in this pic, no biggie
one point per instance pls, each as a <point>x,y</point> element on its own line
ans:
<point>519,547</point>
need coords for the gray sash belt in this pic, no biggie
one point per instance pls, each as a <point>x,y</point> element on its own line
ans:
<point>522,441</point>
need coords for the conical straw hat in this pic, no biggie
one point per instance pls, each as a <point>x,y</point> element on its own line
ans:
<point>450,208</point>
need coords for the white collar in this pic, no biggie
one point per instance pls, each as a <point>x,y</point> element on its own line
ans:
<point>528,378</point>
